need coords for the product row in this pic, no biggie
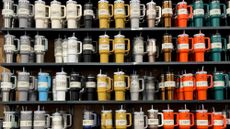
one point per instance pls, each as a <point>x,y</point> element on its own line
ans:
<point>167,86</point>
<point>56,15</point>
<point>71,50</point>
<point>120,119</point>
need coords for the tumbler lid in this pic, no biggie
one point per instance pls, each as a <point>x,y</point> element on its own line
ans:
<point>55,2</point>
<point>201,111</point>
<point>39,1</point>
<point>71,2</point>
<point>188,74</point>
<point>183,110</point>
<point>183,35</point>
<point>119,73</point>
<point>121,110</point>
<point>106,111</point>
<point>182,2</point>
<point>104,36</point>
<point>119,36</point>
<point>119,1</point>
<point>201,72</point>
<point>23,1</point>
<point>152,110</point>
<point>43,74</point>
<point>103,1</point>
<point>151,2</point>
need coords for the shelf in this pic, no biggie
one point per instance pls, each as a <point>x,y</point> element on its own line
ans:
<point>131,64</point>
<point>5,30</point>
<point>116,102</point>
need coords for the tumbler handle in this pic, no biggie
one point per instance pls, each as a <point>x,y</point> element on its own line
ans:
<point>159,13</point>
<point>130,119</point>
<point>33,82</point>
<point>142,84</point>
<point>80,44</point>
<point>32,10</point>
<point>48,7</point>
<point>209,44</point>
<point>45,43</point>
<point>47,120</point>
<point>211,81</point>
<point>211,116</point>
<point>15,82</point>
<point>225,122</point>
<point>128,80</point>
<point>79,8</point>
<point>110,84</point>
<point>177,123</point>
<point>128,45</point>
<point>192,119</point>
<point>190,40</point>
<point>128,9</point>
<point>111,10</point>
<point>18,44</point>
<point>49,81</point>
<point>224,9</point>
<point>190,10</point>
<point>162,118</point>
<point>146,121</point>
<point>143,11</point>
<point>64,10</point>
<point>111,41</point>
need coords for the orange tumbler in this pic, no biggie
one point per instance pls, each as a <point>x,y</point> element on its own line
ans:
<point>168,121</point>
<point>203,119</point>
<point>219,121</point>
<point>199,46</point>
<point>202,84</point>
<point>185,119</point>
<point>182,13</point>
<point>183,47</point>
<point>188,82</point>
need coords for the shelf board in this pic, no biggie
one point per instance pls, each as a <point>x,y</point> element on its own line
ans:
<point>131,64</point>
<point>116,102</point>
<point>5,30</point>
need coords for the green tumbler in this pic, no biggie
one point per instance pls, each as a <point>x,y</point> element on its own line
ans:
<point>215,12</point>
<point>218,45</point>
<point>220,82</point>
<point>199,12</point>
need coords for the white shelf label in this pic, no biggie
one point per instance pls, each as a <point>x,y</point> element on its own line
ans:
<point>198,12</point>
<point>199,46</point>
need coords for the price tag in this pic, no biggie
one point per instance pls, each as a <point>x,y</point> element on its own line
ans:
<point>219,84</point>
<point>39,47</point>
<point>216,45</point>
<point>119,11</point>
<point>139,122</point>
<point>8,124</point>
<point>228,46</point>
<point>135,12</point>
<point>228,11</point>
<point>182,11</point>
<point>139,49</point>
<point>23,84</point>
<point>167,11</point>
<point>151,12</point>
<point>91,84</point>
<point>198,12</point>
<point>121,122</point>
<point>108,122</point>
<point>103,12</point>
<point>25,123</point>
<point>72,47</point>
<point>87,122</point>
<point>183,46</point>
<point>218,122</point>
<point>40,123</point>
<point>153,121</point>
<point>202,122</point>
<point>170,84</point>
<point>43,84</point>
<point>199,46</point>
<point>88,47</point>
<point>9,47</point>
<point>201,83</point>
<point>75,85</point>
<point>184,122</point>
<point>120,46</point>
<point>104,47</point>
<point>7,12</point>
<point>101,84</point>
<point>119,84</point>
<point>161,85</point>
<point>168,122</point>
<point>23,11</point>
<point>167,46</point>
<point>7,85</point>
<point>215,12</point>
<point>188,84</point>
<point>88,12</point>
<point>25,48</point>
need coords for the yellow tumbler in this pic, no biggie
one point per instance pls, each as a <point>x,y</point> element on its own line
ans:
<point>119,47</point>
<point>106,119</point>
<point>104,48</point>
<point>120,85</point>
<point>120,13</point>
<point>104,9</point>
<point>104,86</point>
<point>121,119</point>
